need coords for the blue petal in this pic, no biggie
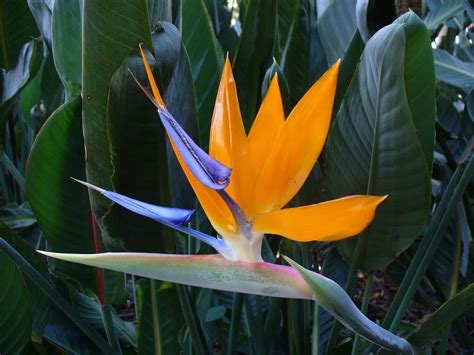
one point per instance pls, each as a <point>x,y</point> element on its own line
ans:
<point>171,217</point>
<point>158,213</point>
<point>206,169</point>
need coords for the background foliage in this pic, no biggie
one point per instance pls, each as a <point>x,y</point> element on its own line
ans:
<point>402,125</point>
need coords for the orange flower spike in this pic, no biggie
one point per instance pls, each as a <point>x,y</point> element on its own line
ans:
<point>298,145</point>
<point>228,141</point>
<point>270,119</point>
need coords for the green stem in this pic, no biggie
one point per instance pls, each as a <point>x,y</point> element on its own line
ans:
<point>429,244</point>
<point>235,324</point>
<point>457,256</point>
<point>272,322</point>
<point>155,319</point>
<point>259,325</point>
<point>307,309</point>
<point>192,321</point>
<point>365,306</point>
<point>250,325</point>
<point>315,335</point>
<point>110,329</point>
<point>454,278</point>
<point>294,337</point>
<point>55,297</point>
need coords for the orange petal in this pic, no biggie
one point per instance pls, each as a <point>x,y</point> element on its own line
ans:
<point>151,79</point>
<point>214,206</point>
<point>298,145</point>
<point>267,125</point>
<point>327,221</point>
<point>228,141</point>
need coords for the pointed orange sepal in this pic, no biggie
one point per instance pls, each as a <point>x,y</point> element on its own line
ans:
<point>327,221</point>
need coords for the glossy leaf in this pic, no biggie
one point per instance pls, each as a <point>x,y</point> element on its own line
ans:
<point>111,31</point>
<point>254,55</point>
<point>206,59</point>
<point>67,43</point>
<point>375,131</point>
<point>50,189</point>
<point>333,298</point>
<point>303,60</point>
<point>420,81</point>
<point>15,308</point>
<point>210,271</point>
<point>139,159</point>
<point>338,15</point>
<point>453,71</point>
<point>169,319</point>
<point>287,17</point>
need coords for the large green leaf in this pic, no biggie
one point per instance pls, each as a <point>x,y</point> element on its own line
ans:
<point>254,55</point>
<point>206,58</point>
<point>337,25</point>
<point>420,81</point>
<point>456,306</point>
<point>453,71</point>
<point>374,146</point>
<point>304,60</point>
<point>66,43</point>
<point>111,30</point>
<point>60,204</point>
<point>137,144</point>
<point>287,16</point>
<point>159,318</point>
<point>15,308</point>
<point>333,298</point>
<point>17,26</point>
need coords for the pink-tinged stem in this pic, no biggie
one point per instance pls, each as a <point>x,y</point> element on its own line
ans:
<point>99,272</point>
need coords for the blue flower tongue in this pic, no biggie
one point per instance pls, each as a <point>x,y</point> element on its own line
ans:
<point>206,169</point>
<point>157,213</point>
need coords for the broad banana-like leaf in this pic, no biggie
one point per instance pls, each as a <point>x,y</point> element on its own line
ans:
<point>210,271</point>
<point>382,139</point>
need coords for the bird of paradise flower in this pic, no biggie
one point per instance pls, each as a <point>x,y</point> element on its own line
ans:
<point>243,185</point>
